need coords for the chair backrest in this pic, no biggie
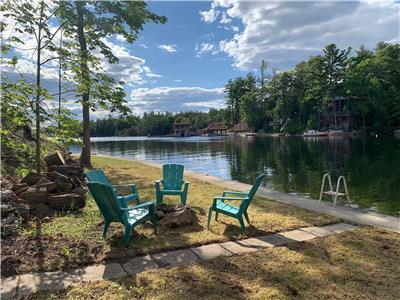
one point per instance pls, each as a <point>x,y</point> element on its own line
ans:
<point>173,176</point>
<point>97,175</point>
<point>105,199</point>
<point>252,193</point>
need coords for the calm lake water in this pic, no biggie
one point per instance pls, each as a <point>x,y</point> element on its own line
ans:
<point>292,164</point>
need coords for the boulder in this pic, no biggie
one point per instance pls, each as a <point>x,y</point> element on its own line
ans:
<point>181,216</point>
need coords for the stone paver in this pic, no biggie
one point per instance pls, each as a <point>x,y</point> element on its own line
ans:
<point>237,249</point>
<point>255,243</point>
<point>317,231</point>
<point>274,239</point>
<point>297,235</point>
<point>107,271</point>
<point>211,251</point>
<point>8,288</point>
<point>175,258</point>
<point>31,283</point>
<point>339,227</point>
<point>139,264</point>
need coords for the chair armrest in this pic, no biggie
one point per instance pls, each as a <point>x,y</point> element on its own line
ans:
<point>124,184</point>
<point>231,198</point>
<point>146,204</point>
<point>233,193</point>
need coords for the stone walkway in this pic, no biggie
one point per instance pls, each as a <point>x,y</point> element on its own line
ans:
<point>23,285</point>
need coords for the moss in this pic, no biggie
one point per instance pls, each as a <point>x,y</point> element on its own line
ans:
<point>362,264</point>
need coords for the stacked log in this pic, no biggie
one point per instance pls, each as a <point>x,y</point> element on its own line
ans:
<point>61,188</point>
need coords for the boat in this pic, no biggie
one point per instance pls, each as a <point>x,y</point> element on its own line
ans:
<point>315,133</point>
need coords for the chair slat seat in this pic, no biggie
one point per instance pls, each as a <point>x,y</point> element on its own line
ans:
<point>172,183</point>
<point>113,211</point>
<point>220,204</point>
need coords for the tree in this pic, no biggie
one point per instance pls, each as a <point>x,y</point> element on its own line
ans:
<point>334,64</point>
<point>87,27</point>
<point>263,68</point>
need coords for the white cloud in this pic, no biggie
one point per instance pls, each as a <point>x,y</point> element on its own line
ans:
<point>288,31</point>
<point>225,19</point>
<point>178,80</point>
<point>205,48</point>
<point>171,48</point>
<point>209,16</point>
<point>174,99</point>
<point>143,46</point>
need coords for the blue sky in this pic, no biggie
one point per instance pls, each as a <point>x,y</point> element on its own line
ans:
<point>184,64</point>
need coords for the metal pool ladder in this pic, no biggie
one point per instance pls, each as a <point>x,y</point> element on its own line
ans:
<point>331,192</point>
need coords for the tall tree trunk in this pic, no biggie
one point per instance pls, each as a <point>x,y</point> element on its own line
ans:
<point>85,79</point>
<point>334,111</point>
<point>38,90</point>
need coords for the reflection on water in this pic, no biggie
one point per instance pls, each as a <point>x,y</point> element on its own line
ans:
<point>292,164</point>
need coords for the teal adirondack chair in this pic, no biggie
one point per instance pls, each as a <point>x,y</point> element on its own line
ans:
<point>112,210</point>
<point>97,175</point>
<point>219,204</point>
<point>172,183</point>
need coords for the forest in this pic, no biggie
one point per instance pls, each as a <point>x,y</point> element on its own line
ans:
<point>292,101</point>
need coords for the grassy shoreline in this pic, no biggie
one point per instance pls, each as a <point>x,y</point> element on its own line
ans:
<point>76,239</point>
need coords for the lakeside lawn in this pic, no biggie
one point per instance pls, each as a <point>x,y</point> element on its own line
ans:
<point>76,239</point>
<point>361,264</point>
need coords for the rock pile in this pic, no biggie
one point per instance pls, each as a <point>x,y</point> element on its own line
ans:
<point>175,215</point>
<point>61,188</point>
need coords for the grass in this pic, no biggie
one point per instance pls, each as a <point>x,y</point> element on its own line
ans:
<point>266,217</point>
<point>362,264</point>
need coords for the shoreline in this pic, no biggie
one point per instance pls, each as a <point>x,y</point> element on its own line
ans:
<point>351,215</point>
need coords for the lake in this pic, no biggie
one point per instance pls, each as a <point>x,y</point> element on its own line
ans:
<point>291,164</point>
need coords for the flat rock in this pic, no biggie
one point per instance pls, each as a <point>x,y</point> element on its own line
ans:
<point>211,251</point>
<point>339,227</point>
<point>274,239</point>
<point>139,264</point>
<point>175,258</point>
<point>8,287</point>
<point>254,243</point>
<point>317,231</point>
<point>107,271</point>
<point>297,235</point>
<point>237,249</point>
<point>34,282</point>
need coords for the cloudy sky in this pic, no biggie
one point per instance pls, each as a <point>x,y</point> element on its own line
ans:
<point>184,64</point>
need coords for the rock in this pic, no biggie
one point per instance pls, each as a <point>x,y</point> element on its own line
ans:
<point>55,175</point>
<point>18,186</point>
<point>34,195</point>
<point>160,214</point>
<point>79,190</point>
<point>63,186</point>
<point>31,178</point>
<point>54,159</point>
<point>49,186</point>
<point>6,209</point>
<point>69,201</point>
<point>180,217</point>
<point>7,195</point>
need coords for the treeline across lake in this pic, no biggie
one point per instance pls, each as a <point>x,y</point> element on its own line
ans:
<point>341,89</point>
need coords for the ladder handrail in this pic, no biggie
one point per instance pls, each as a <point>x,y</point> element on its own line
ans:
<point>345,189</point>
<point>326,175</point>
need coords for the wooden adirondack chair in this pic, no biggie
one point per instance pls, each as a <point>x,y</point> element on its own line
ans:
<point>219,205</point>
<point>97,175</point>
<point>172,183</point>
<point>112,211</point>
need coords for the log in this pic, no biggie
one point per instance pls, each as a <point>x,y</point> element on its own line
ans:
<point>80,191</point>
<point>69,201</point>
<point>76,182</point>
<point>63,186</point>
<point>55,175</point>
<point>54,159</point>
<point>31,178</point>
<point>34,195</point>
<point>71,170</point>
<point>18,186</point>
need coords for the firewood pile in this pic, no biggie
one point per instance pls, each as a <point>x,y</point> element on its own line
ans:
<point>61,188</point>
